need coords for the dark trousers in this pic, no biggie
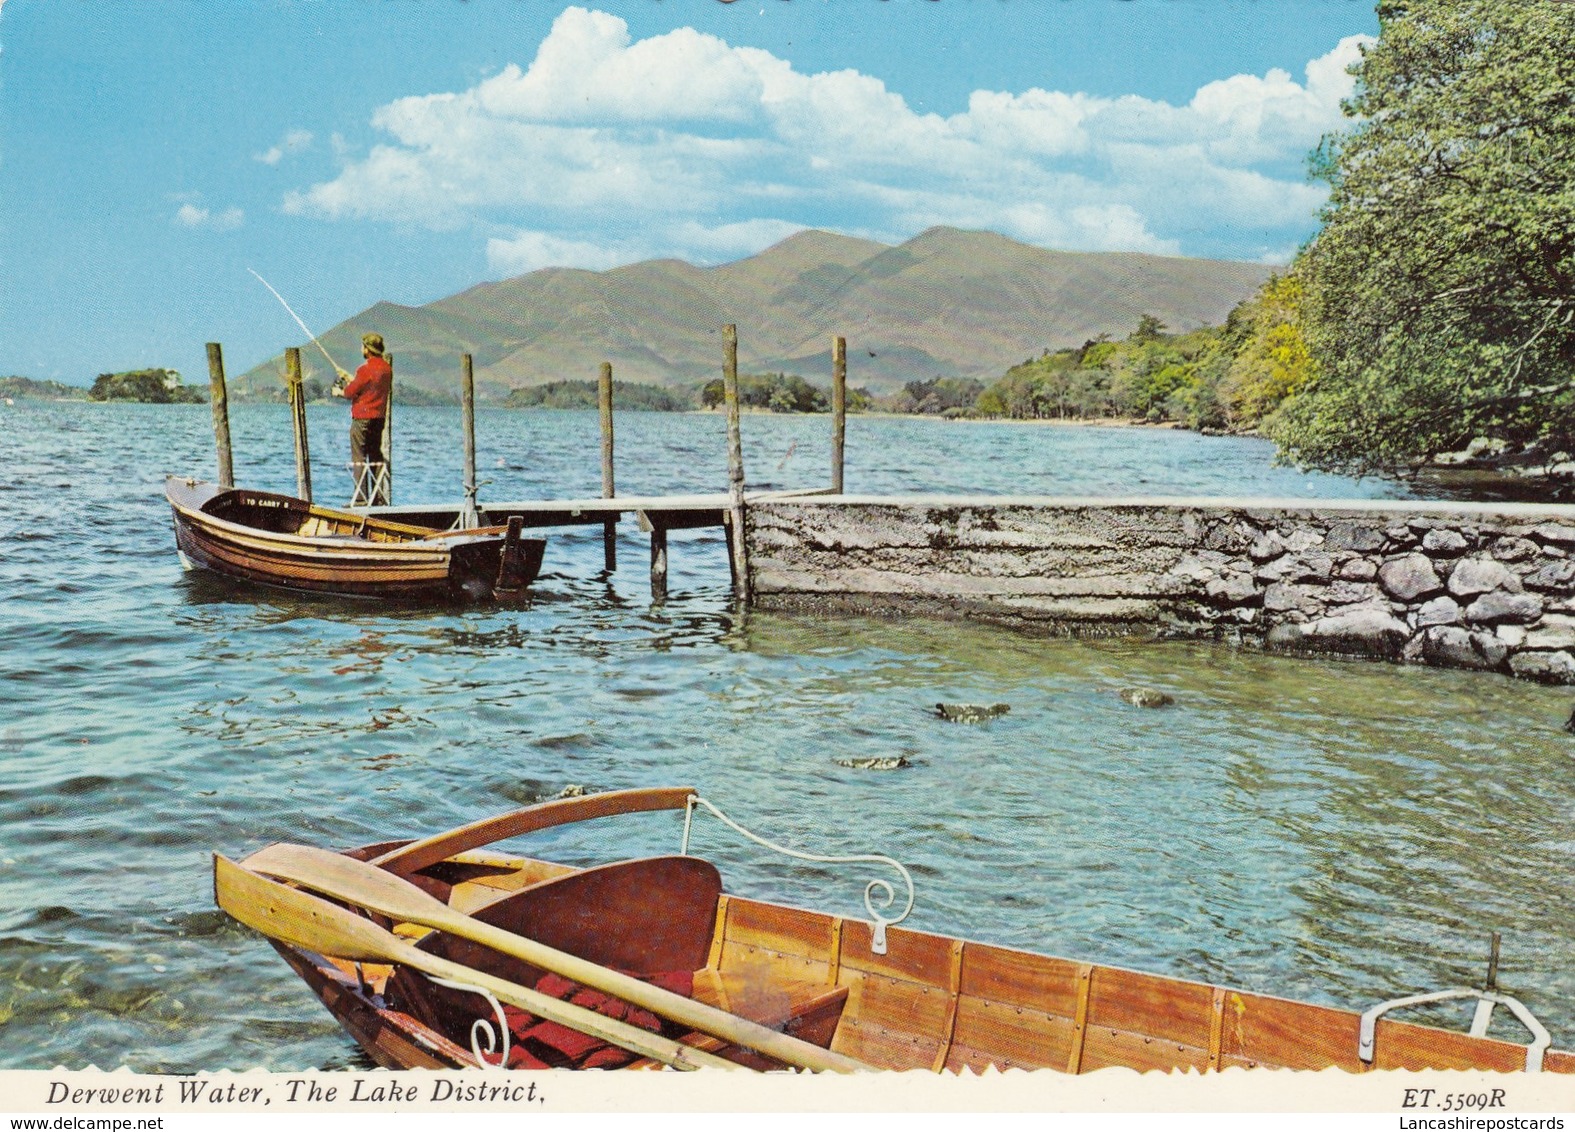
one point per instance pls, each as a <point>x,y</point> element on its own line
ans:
<point>366,447</point>
<point>366,441</point>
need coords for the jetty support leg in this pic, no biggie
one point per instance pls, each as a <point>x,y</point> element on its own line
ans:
<point>839,408</point>
<point>470,516</point>
<point>737,553</point>
<point>604,402</point>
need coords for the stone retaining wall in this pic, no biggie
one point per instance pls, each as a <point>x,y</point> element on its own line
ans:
<point>1475,586</point>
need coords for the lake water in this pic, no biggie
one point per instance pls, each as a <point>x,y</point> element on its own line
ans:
<point>1341,832</point>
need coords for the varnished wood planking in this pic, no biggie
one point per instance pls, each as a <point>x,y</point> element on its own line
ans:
<point>1402,1045</point>
<point>1008,1035</point>
<point>789,931</point>
<point>1261,1030</point>
<point>1168,1009</point>
<point>1103,1047</point>
<point>916,956</point>
<point>1018,978</point>
<point>885,1024</point>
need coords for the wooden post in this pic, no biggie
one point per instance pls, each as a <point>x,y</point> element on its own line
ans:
<point>297,393</point>
<point>610,525</point>
<point>386,496</point>
<point>659,563</point>
<point>839,408</point>
<point>467,404</point>
<point>738,555</point>
<point>221,414</point>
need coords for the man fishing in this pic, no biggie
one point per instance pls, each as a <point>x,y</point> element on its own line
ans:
<point>368,392</point>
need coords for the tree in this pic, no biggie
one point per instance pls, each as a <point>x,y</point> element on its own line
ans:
<point>1440,293</point>
<point>1271,359</point>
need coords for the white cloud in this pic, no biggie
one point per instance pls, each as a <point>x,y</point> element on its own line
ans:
<point>605,149</point>
<point>193,216</point>
<point>293,142</point>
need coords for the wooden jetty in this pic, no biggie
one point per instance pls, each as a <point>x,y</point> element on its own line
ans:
<point>656,515</point>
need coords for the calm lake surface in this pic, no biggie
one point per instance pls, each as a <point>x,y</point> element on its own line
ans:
<point>1341,832</point>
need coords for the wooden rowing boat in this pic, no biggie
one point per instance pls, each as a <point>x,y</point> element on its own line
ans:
<point>438,954</point>
<point>282,541</point>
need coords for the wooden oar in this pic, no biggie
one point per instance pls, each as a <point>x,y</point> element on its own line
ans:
<point>345,878</point>
<point>303,920</point>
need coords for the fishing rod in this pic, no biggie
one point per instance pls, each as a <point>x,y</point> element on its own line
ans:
<point>295,316</point>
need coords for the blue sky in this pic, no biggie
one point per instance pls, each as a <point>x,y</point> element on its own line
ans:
<point>151,151</point>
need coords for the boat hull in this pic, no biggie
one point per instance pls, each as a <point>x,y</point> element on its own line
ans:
<point>254,537</point>
<point>927,1002</point>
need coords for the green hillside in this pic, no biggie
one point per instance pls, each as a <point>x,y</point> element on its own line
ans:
<point>948,302</point>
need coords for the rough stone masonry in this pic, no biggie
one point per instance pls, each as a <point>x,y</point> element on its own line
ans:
<point>1464,585</point>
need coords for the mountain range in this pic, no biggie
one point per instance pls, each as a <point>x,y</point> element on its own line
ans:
<point>946,303</point>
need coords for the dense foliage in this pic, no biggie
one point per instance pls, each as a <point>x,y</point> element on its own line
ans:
<point>1150,376</point>
<point>1439,299</point>
<point>780,393</point>
<point>152,386</point>
<point>582,395</point>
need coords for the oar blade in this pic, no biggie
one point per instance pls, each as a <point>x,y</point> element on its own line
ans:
<point>345,878</point>
<point>298,918</point>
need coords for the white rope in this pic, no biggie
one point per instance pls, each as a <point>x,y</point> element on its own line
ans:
<point>888,894</point>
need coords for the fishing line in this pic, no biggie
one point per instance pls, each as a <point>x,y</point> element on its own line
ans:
<point>293,315</point>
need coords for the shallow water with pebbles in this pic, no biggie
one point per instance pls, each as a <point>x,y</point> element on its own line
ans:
<point>1342,832</point>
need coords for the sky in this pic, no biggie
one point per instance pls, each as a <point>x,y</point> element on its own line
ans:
<point>155,153</point>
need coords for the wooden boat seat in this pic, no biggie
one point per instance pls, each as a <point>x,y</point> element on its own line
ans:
<point>807,1010</point>
<point>651,915</point>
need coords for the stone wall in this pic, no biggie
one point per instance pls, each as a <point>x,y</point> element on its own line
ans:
<point>1476,586</point>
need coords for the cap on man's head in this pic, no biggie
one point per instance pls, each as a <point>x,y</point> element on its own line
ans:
<point>373,344</point>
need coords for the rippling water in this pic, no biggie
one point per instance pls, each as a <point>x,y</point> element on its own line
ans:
<point>1342,832</point>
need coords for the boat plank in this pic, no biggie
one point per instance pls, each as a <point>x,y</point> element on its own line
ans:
<point>1104,1047</point>
<point>897,1023</point>
<point>1260,1030</point>
<point>1017,978</point>
<point>1404,1045</point>
<point>788,931</point>
<point>915,956</point>
<point>1007,1035</point>
<point>1166,1009</point>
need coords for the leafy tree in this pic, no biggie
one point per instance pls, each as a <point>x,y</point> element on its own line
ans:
<point>582,394</point>
<point>778,392</point>
<point>152,386</point>
<point>1269,355</point>
<point>1440,293</point>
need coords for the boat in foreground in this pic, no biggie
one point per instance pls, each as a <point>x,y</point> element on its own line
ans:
<point>279,540</point>
<point>436,953</point>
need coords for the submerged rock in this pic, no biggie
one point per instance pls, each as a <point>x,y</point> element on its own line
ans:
<point>1146,697</point>
<point>886,762</point>
<point>971,713</point>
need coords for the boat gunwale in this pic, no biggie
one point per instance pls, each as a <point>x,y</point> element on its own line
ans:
<point>437,541</point>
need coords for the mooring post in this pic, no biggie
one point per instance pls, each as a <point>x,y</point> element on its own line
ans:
<point>609,525</point>
<point>659,563</point>
<point>839,408</point>
<point>738,555</point>
<point>296,389</point>
<point>384,493</point>
<point>221,414</point>
<point>471,516</point>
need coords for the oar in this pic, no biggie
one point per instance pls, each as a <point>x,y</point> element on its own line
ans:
<point>303,920</point>
<point>345,878</point>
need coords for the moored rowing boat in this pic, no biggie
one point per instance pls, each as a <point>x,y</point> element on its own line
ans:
<point>281,541</point>
<point>647,962</point>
